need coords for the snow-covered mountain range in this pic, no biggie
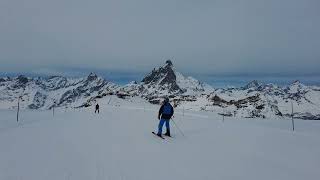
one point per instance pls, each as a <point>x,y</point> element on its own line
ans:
<point>253,100</point>
<point>44,93</point>
<point>267,100</point>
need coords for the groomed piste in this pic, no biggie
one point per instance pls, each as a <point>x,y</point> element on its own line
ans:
<point>117,144</point>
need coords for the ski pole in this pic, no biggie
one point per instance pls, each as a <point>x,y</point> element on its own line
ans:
<point>178,128</point>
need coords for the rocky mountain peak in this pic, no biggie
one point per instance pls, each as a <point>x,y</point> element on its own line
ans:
<point>166,80</point>
<point>253,84</point>
<point>296,87</point>
<point>169,62</point>
<point>162,75</point>
<point>92,76</point>
<point>296,83</point>
<point>22,79</point>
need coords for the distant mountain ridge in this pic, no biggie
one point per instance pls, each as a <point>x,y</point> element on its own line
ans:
<point>44,93</point>
<point>265,100</point>
<point>255,99</point>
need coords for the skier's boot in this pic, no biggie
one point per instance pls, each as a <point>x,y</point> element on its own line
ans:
<point>168,133</point>
<point>159,135</point>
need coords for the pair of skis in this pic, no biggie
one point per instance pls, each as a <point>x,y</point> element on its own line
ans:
<point>158,135</point>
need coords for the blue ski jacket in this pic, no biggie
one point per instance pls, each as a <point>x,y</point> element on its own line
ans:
<point>163,113</point>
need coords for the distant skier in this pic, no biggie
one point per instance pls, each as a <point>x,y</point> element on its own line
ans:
<point>97,109</point>
<point>165,113</point>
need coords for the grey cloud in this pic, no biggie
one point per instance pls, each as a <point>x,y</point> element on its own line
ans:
<point>248,36</point>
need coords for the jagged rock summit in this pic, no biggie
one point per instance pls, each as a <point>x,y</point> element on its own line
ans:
<point>253,85</point>
<point>164,81</point>
<point>163,78</point>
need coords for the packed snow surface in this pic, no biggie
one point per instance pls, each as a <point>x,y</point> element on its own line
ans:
<point>117,144</point>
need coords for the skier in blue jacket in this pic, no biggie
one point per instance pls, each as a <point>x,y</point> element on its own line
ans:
<point>165,113</point>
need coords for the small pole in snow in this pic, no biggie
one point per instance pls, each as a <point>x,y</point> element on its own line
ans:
<point>54,104</point>
<point>109,100</point>
<point>18,108</point>
<point>183,111</point>
<point>292,116</point>
<point>223,114</point>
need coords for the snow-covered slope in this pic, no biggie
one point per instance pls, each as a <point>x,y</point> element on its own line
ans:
<point>117,144</point>
<point>44,93</point>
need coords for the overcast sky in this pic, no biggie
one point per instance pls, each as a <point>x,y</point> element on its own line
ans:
<point>211,37</point>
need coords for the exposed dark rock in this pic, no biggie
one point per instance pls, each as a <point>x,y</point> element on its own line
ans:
<point>253,84</point>
<point>304,116</point>
<point>38,101</point>
<point>165,77</point>
<point>260,107</point>
<point>22,79</point>
<point>256,114</point>
<point>217,101</point>
<point>169,62</point>
<point>68,97</point>
<point>92,76</point>
<point>227,114</point>
<point>155,101</point>
<point>122,95</point>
